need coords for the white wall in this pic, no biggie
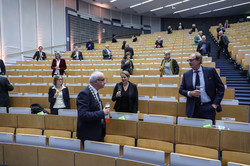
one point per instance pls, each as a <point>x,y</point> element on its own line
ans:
<point>27,24</point>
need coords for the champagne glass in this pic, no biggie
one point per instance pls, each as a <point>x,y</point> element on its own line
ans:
<point>107,105</point>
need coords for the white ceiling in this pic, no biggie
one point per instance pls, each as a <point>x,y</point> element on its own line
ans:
<point>169,12</point>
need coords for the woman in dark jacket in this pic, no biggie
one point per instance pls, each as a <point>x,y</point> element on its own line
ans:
<point>169,66</point>
<point>126,95</point>
<point>127,64</point>
<point>58,96</point>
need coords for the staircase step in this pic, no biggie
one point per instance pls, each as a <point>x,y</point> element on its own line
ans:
<point>241,91</point>
<point>236,79</point>
<point>239,86</point>
<point>242,95</point>
<point>242,98</point>
<point>244,102</point>
<point>238,82</point>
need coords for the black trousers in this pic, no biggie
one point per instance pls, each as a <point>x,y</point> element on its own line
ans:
<point>225,47</point>
<point>205,111</point>
<point>54,111</point>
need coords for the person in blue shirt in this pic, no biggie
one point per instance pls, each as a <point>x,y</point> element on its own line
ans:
<point>204,47</point>
<point>90,45</point>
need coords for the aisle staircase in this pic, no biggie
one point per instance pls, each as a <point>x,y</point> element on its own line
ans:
<point>234,77</point>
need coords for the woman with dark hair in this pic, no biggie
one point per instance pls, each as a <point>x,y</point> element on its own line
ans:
<point>134,38</point>
<point>114,38</point>
<point>58,65</point>
<point>126,95</point>
<point>127,64</point>
<point>58,95</point>
<point>123,44</point>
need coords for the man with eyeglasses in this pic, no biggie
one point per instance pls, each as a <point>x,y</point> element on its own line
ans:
<point>203,88</point>
<point>91,114</point>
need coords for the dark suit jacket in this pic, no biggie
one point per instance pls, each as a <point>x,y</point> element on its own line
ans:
<point>208,47</point>
<point>91,122</point>
<point>2,66</point>
<point>133,97</point>
<point>213,87</point>
<point>37,55</point>
<point>5,86</point>
<point>129,49</point>
<point>79,54</point>
<point>128,67</point>
<point>90,45</point>
<point>62,66</point>
<point>105,54</point>
<point>224,41</point>
<point>158,43</point>
<point>66,98</point>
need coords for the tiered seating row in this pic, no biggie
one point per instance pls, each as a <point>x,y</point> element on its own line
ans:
<point>188,139</point>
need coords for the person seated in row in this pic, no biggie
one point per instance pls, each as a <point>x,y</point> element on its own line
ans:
<point>58,96</point>
<point>114,38</point>
<point>39,55</point>
<point>127,63</point>
<point>58,65</point>
<point>134,38</point>
<point>2,67</point>
<point>90,45</point>
<point>169,66</point>
<point>193,29</point>
<point>76,54</point>
<point>107,54</point>
<point>204,47</point>
<point>129,49</point>
<point>180,26</point>
<point>170,31</point>
<point>226,25</point>
<point>125,95</point>
<point>197,38</point>
<point>158,43</point>
<point>123,44</point>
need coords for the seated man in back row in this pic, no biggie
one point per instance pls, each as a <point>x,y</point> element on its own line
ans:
<point>76,54</point>
<point>107,54</point>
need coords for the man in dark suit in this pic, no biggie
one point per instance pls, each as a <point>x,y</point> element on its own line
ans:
<point>107,54</point>
<point>40,55</point>
<point>204,47</point>
<point>5,86</point>
<point>220,28</point>
<point>223,43</point>
<point>2,67</point>
<point>76,54</point>
<point>90,45</point>
<point>91,114</point>
<point>203,88</point>
<point>129,49</point>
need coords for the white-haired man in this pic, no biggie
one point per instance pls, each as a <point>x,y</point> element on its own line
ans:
<point>107,54</point>
<point>91,114</point>
<point>129,49</point>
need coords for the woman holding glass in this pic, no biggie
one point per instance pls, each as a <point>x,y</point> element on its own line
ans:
<point>126,95</point>
<point>58,95</point>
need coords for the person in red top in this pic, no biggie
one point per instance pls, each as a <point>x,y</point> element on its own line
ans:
<point>58,65</point>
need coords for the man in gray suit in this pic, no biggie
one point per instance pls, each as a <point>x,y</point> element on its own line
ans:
<point>223,43</point>
<point>107,54</point>
<point>5,86</point>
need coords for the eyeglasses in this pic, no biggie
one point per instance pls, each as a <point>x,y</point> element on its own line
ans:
<point>191,60</point>
<point>101,79</point>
